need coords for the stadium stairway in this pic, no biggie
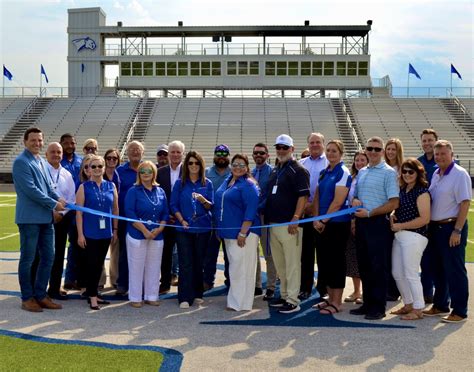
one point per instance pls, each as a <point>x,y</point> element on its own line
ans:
<point>345,122</point>
<point>460,115</point>
<point>29,118</point>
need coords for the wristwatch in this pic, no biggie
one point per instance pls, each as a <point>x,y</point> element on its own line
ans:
<point>457,231</point>
<point>242,235</point>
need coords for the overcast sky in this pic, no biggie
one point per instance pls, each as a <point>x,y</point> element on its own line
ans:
<point>429,34</point>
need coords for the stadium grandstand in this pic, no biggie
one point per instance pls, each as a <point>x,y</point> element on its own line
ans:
<point>225,92</point>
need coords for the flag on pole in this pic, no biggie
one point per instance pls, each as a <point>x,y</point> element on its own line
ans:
<point>454,71</point>
<point>9,75</point>
<point>82,67</point>
<point>411,70</point>
<point>43,72</point>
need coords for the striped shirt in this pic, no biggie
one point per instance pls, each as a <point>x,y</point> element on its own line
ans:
<point>376,185</point>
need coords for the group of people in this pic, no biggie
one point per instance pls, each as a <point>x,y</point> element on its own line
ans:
<point>406,212</point>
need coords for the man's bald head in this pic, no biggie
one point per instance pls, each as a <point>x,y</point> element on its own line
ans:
<point>54,154</point>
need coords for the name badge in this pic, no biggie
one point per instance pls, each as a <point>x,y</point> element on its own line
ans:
<point>274,189</point>
<point>102,223</point>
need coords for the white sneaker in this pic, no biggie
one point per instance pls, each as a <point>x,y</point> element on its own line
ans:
<point>184,305</point>
<point>199,301</point>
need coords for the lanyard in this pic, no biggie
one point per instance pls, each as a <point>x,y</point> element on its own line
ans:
<point>153,193</point>
<point>281,170</point>
<point>99,195</point>
<point>57,177</point>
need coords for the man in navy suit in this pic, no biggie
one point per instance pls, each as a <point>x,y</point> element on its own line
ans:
<point>35,203</point>
<point>166,177</point>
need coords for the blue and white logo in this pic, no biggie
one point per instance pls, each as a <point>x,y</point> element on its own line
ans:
<point>84,43</point>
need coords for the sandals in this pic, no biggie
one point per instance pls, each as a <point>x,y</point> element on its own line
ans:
<point>413,315</point>
<point>329,310</point>
<point>353,298</point>
<point>321,305</point>
<point>402,311</point>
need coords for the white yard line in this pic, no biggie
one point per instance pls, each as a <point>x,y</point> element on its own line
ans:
<point>470,241</point>
<point>9,236</point>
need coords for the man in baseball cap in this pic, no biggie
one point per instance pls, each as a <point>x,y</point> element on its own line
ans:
<point>162,156</point>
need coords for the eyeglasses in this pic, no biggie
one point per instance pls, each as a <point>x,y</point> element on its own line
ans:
<point>100,166</point>
<point>376,149</point>
<point>221,154</point>
<point>259,153</point>
<point>282,147</point>
<point>90,148</point>
<point>111,158</point>
<point>86,166</point>
<point>162,153</point>
<point>411,172</point>
<point>146,171</point>
<point>193,163</point>
<point>238,165</point>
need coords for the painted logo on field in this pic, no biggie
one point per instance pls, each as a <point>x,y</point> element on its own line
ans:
<point>84,43</point>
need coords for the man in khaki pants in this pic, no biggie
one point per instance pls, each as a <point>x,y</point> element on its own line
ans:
<point>287,193</point>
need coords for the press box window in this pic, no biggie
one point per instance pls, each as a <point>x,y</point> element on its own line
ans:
<point>160,69</point>
<point>341,69</point>
<point>147,68</point>
<point>137,69</point>
<point>231,68</point>
<point>305,68</point>
<point>243,68</point>
<point>182,68</point>
<point>293,68</point>
<point>254,68</point>
<point>216,68</point>
<point>205,68</point>
<point>363,68</point>
<point>171,68</point>
<point>317,69</point>
<point>351,68</point>
<point>270,68</point>
<point>194,68</point>
<point>328,68</point>
<point>125,69</point>
<point>281,68</point>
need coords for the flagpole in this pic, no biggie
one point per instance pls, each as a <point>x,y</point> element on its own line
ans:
<point>451,83</point>
<point>41,85</point>
<point>408,85</point>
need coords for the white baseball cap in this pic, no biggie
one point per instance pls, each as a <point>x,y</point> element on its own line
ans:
<point>284,139</point>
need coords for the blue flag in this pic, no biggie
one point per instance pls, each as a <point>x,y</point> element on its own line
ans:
<point>43,72</point>
<point>82,67</point>
<point>7,73</point>
<point>454,71</point>
<point>411,70</point>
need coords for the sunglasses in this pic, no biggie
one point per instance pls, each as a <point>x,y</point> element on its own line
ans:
<point>86,167</point>
<point>146,171</point>
<point>111,158</point>
<point>282,147</point>
<point>259,153</point>
<point>90,148</point>
<point>238,165</point>
<point>193,163</point>
<point>162,153</point>
<point>376,149</point>
<point>100,166</point>
<point>411,172</point>
<point>221,154</point>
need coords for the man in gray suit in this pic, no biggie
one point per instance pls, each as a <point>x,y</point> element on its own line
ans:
<point>35,203</point>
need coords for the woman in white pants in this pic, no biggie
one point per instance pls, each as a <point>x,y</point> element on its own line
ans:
<point>145,201</point>
<point>410,224</point>
<point>236,203</point>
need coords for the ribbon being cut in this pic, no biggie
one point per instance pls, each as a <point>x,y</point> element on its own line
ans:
<point>310,219</point>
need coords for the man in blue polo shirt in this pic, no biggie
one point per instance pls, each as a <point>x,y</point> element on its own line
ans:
<point>288,191</point>
<point>428,139</point>
<point>377,195</point>
<point>217,174</point>
<point>261,173</point>
<point>451,194</point>
<point>128,176</point>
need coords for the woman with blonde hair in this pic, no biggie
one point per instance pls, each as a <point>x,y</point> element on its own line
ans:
<point>90,146</point>
<point>145,201</point>
<point>394,153</point>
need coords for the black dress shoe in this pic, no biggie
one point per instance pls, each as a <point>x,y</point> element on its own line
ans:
<point>94,307</point>
<point>99,301</point>
<point>164,290</point>
<point>304,295</point>
<point>269,295</point>
<point>258,291</point>
<point>58,296</point>
<point>392,298</point>
<point>359,311</point>
<point>374,316</point>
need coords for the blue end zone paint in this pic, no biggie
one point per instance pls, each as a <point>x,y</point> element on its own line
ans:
<point>172,359</point>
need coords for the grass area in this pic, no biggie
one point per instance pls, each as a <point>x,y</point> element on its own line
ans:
<point>9,238</point>
<point>26,355</point>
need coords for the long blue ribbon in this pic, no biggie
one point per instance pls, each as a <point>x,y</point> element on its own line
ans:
<point>310,219</point>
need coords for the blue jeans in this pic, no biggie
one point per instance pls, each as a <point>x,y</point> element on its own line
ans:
<point>175,263</point>
<point>210,260</point>
<point>427,280</point>
<point>449,269</point>
<point>35,239</point>
<point>122,281</point>
<point>191,248</point>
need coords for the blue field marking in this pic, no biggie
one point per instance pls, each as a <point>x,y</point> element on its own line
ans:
<point>172,359</point>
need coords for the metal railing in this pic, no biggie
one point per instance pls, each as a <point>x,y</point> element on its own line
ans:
<point>179,49</point>
<point>355,137</point>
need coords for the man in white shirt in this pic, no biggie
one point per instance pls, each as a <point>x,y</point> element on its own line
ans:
<point>63,184</point>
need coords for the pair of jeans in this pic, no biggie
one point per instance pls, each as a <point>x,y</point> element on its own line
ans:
<point>122,280</point>
<point>191,250</point>
<point>210,260</point>
<point>169,241</point>
<point>451,280</point>
<point>35,239</point>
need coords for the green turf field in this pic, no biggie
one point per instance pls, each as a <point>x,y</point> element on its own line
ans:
<point>26,355</point>
<point>9,232</point>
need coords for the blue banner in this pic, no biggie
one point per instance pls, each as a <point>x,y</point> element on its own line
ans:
<point>43,72</point>
<point>411,70</point>
<point>310,219</point>
<point>7,73</point>
<point>454,71</point>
